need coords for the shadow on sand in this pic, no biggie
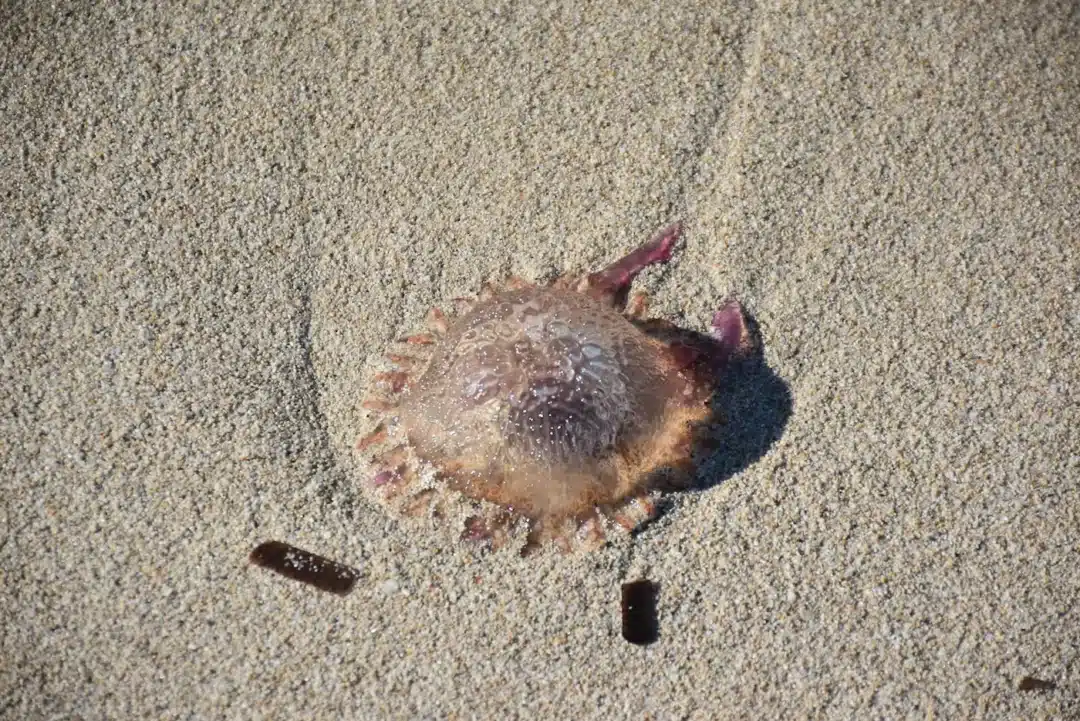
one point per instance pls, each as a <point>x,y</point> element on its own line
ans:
<point>751,408</point>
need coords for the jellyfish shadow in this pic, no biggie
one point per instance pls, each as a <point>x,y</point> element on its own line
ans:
<point>750,410</point>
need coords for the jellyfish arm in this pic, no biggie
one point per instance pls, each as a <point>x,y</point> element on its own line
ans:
<point>729,332</point>
<point>613,282</point>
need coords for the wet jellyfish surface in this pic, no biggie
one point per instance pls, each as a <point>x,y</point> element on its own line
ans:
<point>557,412</point>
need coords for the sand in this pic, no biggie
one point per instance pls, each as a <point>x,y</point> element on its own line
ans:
<point>214,219</point>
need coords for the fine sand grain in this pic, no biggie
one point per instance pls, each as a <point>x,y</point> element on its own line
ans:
<point>215,218</point>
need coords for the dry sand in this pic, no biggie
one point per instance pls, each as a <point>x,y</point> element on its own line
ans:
<point>215,218</point>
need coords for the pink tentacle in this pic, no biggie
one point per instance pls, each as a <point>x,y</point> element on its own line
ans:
<point>617,277</point>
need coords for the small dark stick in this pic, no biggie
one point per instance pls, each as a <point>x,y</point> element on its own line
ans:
<point>639,623</point>
<point>306,567</point>
<point>1030,683</point>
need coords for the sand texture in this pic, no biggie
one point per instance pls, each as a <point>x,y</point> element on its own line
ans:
<point>213,220</point>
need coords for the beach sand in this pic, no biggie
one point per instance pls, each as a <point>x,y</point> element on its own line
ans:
<point>215,219</point>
